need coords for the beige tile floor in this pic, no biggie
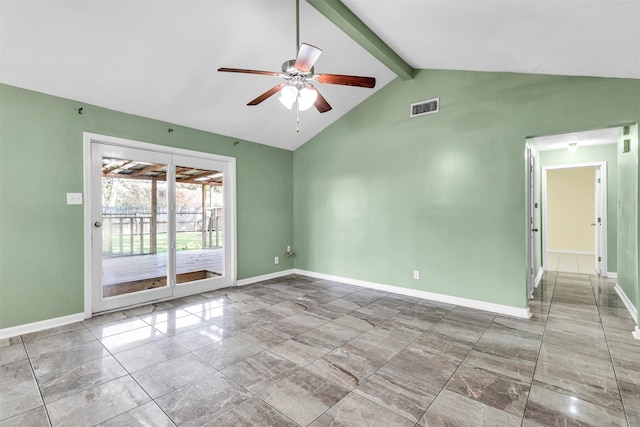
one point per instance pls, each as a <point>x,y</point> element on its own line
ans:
<point>296,351</point>
<point>570,263</point>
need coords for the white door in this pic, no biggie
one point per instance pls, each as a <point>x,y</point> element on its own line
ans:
<point>597,222</point>
<point>160,226</point>
<point>531,169</point>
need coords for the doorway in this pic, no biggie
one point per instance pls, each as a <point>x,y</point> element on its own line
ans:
<point>160,223</point>
<point>574,219</point>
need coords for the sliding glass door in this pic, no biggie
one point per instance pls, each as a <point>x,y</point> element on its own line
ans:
<point>159,225</point>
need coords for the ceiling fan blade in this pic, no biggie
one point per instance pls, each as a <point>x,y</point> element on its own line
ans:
<point>241,70</point>
<point>340,79</point>
<point>321,104</point>
<point>267,94</point>
<point>307,56</point>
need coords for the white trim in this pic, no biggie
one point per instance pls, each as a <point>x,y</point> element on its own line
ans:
<point>88,198</point>
<point>576,165</point>
<point>604,207</point>
<point>465,302</point>
<point>269,276</point>
<point>627,303</point>
<point>636,333</point>
<point>28,328</point>
<point>539,276</point>
<point>563,251</point>
<point>140,145</point>
<point>612,275</point>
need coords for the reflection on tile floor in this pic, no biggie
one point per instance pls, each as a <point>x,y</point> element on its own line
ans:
<point>301,351</point>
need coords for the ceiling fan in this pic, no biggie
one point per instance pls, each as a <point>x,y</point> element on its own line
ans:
<point>299,77</point>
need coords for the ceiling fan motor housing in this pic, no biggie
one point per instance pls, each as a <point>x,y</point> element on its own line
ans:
<point>290,72</point>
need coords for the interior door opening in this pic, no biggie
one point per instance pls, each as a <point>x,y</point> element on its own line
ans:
<point>574,202</point>
<point>596,149</point>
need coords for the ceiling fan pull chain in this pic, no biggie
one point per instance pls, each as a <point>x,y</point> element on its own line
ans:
<point>297,118</point>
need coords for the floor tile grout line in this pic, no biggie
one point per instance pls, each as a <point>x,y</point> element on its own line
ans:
<point>444,387</point>
<point>384,364</point>
<point>299,368</point>
<point>35,379</point>
<point>613,366</point>
<point>567,392</point>
<point>362,333</point>
<point>544,331</point>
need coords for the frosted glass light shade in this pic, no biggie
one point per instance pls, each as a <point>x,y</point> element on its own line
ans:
<point>288,95</point>
<point>306,98</point>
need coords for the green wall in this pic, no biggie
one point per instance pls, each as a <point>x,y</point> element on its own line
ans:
<point>599,153</point>
<point>41,237</point>
<point>628,227</point>
<point>374,196</point>
<point>378,194</point>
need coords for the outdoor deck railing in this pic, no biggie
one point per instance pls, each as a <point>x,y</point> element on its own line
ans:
<point>130,234</point>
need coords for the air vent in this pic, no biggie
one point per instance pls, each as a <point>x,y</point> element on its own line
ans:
<point>425,107</point>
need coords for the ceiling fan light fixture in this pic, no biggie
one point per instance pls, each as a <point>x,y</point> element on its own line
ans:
<point>306,98</point>
<point>288,96</point>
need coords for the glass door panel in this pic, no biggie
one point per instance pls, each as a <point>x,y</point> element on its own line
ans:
<point>134,227</point>
<point>199,219</point>
<point>131,236</point>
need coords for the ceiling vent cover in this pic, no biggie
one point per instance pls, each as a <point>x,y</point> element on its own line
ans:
<point>429,106</point>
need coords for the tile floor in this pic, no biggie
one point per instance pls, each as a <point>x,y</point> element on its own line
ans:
<point>571,263</point>
<point>300,351</point>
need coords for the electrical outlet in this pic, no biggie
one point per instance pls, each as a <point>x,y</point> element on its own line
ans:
<point>416,274</point>
<point>276,260</point>
<point>288,248</point>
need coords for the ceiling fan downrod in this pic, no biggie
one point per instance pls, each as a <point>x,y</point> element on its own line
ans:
<point>297,26</point>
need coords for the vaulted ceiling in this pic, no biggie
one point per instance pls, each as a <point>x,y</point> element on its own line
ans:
<point>158,59</point>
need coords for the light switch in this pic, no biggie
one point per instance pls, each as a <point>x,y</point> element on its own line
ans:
<point>74,198</point>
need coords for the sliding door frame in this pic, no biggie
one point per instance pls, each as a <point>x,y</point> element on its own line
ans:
<point>229,199</point>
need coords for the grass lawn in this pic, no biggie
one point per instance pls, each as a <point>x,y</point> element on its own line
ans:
<point>185,240</point>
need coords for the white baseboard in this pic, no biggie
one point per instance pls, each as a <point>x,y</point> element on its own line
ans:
<point>465,302</point>
<point>627,303</point>
<point>65,320</point>
<point>563,251</point>
<point>480,305</point>
<point>14,331</point>
<point>538,277</point>
<point>612,275</point>
<point>255,279</point>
